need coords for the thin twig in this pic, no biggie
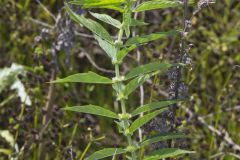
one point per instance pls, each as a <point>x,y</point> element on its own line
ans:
<point>45,9</point>
<point>221,133</point>
<point>41,23</point>
<point>95,65</point>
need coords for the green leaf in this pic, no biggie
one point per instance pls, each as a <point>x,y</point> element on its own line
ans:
<point>107,47</point>
<point>153,106</point>
<point>89,77</point>
<point>97,3</point>
<point>162,137</point>
<point>5,151</point>
<point>147,38</point>
<point>107,19</point>
<point>122,53</point>
<point>143,120</point>
<point>127,22</point>
<point>166,153</point>
<point>157,4</point>
<point>134,84</point>
<point>107,152</point>
<point>92,109</point>
<point>151,67</point>
<point>92,25</point>
<point>135,22</point>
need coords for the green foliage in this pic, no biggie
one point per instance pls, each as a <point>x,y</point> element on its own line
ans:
<point>143,120</point>
<point>166,153</point>
<point>156,4</point>
<point>162,137</point>
<point>89,77</point>
<point>106,152</point>
<point>138,40</point>
<point>110,49</point>
<point>117,51</point>
<point>148,68</point>
<point>107,19</point>
<point>153,106</point>
<point>92,25</point>
<point>213,80</point>
<point>92,109</point>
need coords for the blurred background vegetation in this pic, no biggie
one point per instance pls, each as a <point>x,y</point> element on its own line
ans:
<point>38,43</point>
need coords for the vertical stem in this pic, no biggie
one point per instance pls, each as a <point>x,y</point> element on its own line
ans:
<point>123,107</point>
<point>120,90</point>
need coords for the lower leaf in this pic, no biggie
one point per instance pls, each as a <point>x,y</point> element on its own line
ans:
<point>166,153</point>
<point>106,152</point>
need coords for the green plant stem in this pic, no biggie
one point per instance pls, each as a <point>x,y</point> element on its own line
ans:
<point>85,150</point>
<point>123,107</point>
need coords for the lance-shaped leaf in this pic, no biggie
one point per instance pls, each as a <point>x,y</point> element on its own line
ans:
<point>147,68</point>
<point>162,137</point>
<point>97,3</point>
<point>147,38</point>
<point>135,22</point>
<point>166,153</point>
<point>107,152</point>
<point>127,22</point>
<point>107,19</point>
<point>92,109</point>
<point>92,25</point>
<point>89,77</point>
<point>134,84</point>
<point>157,4</point>
<point>122,53</point>
<point>143,120</point>
<point>153,106</point>
<point>107,47</point>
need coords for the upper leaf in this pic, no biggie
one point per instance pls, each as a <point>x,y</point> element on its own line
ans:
<point>92,25</point>
<point>89,77</point>
<point>153,106</point>
<point>106,152</point>
<point>143,120</point>
<point>147,38</point>
<point>92,109</point>
<point>122,53</point>
<point>135,22</point>
<point>97,3</point>
<point>157,4</point>
<point>162,137</point>
<point>166,153</point>
<point>107,47</point>
<point>135,83</point>
<point>107,19</point>
<point>151,67</point>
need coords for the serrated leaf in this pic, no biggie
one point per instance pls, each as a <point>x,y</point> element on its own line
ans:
<point>147,38</point>
<point>107,152</point>
<point>166,153</point>
<point>107,19</point>
<point>134,84</point>
<point>107,47</point>
<point>143,120</point>
<point>157,4</point>
<point>89,77</point>
<point>92,25</point>
<point>162,137</point>
<point>153,106</point>
<point>147,68</point>
<point>92,109</point>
